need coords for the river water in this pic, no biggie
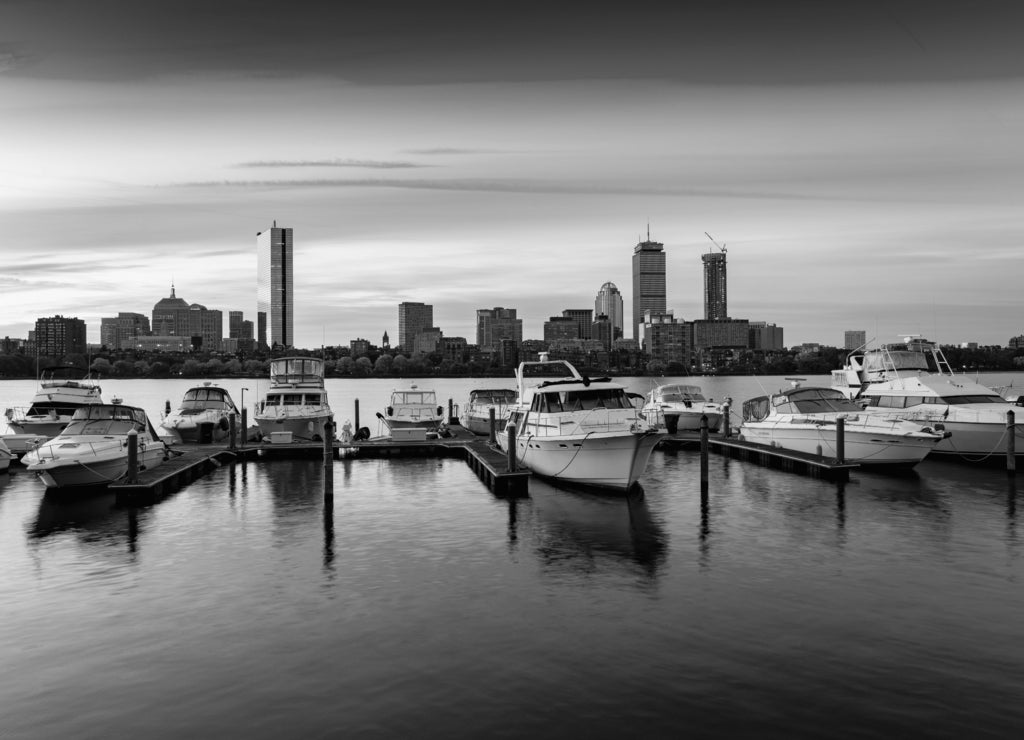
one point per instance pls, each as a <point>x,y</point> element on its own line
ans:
<point>421,605</point>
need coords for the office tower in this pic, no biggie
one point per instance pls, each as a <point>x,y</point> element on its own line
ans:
<point>57,336</point>
<point>235,319</point>
<point>171,316</point>
<point>648,281</point>
<point>275,289</point>
<point>715,304</point>
<point>765,336</point>
<point>495,324</point>
<point>412,319</point>
<point>108,333</point>
<point>854,339</point>
<point>584,318</point>
<point>609,303</point>
<point>665,338</point>
<point>561,327</point>
<point>603,330</point>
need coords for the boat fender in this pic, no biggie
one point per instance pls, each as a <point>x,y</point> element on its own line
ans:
<point>390,410</point>
<point>362,433</point>
<point>586,381</point>
<point>167,406</point>
<point>440,411</point>
<point>224,424</point>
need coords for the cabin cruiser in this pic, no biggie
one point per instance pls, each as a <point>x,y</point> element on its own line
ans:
<point>575,429</point>
<point>476,415</point>
<point>203,416</point>
<point>679,407</point>
<point>93,448</point>
<point>62,390</point>
<point>806,420</point>
<point>297,401</point>
<point>413,408</point>
<point>913,381</point>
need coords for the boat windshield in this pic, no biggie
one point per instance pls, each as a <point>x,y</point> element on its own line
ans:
<point>106,420</point>
<point>289,370</point>
<point>493,397</point>
<point>681,393</point>
<point>413,398</point>
<point>560,401</point>
<point>814,401</point>
<point>903,402</point>
<point>205,398</point>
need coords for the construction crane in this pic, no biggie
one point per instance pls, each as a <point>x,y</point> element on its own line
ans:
<point>720,246</point>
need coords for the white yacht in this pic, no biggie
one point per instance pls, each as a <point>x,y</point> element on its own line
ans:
<point>913,381</point>
<point>203,416</point>
<point>297,401</point>
<point>476,414</point>
<point>5,457</point>
<point>679,407</point>
<point>578,430</point>
<point>62,390</point>
<point>93,448</point>
<point>805,420</point>
<point>413,408</point>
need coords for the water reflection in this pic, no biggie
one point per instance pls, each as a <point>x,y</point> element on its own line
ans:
<point>581,531</point>
<point>93,519</point>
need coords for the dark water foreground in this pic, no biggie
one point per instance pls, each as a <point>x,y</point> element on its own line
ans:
<point>424,606</point>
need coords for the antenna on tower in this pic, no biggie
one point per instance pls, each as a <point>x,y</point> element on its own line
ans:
<point>720,246</point>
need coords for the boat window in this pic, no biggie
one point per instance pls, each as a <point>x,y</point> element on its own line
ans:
<point>889,402</point>
<point>963,400</point>
<point>291,399</point>
<point>602,398</point>
<point>313,399</point>
<point>273,399</point>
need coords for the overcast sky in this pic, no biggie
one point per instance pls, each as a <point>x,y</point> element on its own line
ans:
<point>863,162</point>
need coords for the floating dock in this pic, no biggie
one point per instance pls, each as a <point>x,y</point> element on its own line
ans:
<point>814,466</point>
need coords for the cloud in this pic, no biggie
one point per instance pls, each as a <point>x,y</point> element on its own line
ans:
<point>364,163</point>
<point>457,150</point>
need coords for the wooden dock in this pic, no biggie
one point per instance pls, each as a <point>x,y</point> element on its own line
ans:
<point>814,466</point>
<point>183,467</point>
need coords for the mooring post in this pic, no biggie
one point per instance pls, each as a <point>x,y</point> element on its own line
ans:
<point>492,421</point>
<point>840,440</point>
<point>232,432</point>
<point>704,454</point>
<point>1011,444</point>
<point>245,426</point>
<point>449,411</point>
<point>725,419</point>
<point>133,456</point>
<point>357,416</point>
<point>328,459</point>
<point>511,451</point>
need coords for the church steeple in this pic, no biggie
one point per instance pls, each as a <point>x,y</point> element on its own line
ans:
<point>172,291</point>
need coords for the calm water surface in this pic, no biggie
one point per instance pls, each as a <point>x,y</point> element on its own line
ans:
<point>421,605</point>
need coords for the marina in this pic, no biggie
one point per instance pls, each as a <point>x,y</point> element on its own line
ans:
<point>858,603</point>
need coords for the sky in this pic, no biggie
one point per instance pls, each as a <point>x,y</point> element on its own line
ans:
<point>862,163</point>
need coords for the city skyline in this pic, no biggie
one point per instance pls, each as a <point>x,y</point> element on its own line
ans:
<point>862,162</point>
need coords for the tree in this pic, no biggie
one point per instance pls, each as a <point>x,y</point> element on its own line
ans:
<point>123,368</point>
<point>362,367</point>
<point>383,365</point>
<point>101,367</point>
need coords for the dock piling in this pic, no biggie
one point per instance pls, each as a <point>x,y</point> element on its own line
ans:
<point>133,456</point>
<point>1011,443</point>
<point>245,427</point>
<point>328,459</point>
<point>449,412</point>
<point>491,422</point>
<point>357,415</point>
<point>511,451</point>
<point>704,454</point>
<point>232,432</point>
<point>840,440</point>
<point>725,419</point>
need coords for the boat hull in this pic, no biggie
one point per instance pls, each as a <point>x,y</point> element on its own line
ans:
<point>689,420</point>
<point>612,461</point>
<point>40,426</point>
<point>307,426</point>
<point>189,429</point>
<point>868,448</point>
<point>71,470</point>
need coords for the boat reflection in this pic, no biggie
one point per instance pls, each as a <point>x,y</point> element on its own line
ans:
<point>94,520</point>
<point>583,531</point>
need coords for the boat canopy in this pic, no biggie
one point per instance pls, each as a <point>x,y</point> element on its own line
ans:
<point>413,398</point>
<point>676,393</point>
<point>556,401</point>
<point>199,399</point>
<point>295,370</point>
<point>492,395</point>
<point>799,401</point>
<point>107,419</point>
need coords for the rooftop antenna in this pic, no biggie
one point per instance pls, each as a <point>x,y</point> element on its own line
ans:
<point>720,246</point>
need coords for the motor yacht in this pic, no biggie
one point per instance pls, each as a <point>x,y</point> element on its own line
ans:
<point>575,429</point>
<point>413,408</point>
<point>679,407</point>
<point>203,416</point>
<point>476,414</point>
<point>913,381</point>
<point>297,401</point>
<point>93,448</point>
<point>62,390</point>
<point>806,420</point>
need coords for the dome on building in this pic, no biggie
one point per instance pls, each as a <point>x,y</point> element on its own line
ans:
<point>609,286</point>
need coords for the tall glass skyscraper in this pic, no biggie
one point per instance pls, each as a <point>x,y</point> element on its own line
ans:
<point>716,306</point>
<point>274,286</point>
<point>412,319</point>
<point>648,282</point>
<point>609,303</point>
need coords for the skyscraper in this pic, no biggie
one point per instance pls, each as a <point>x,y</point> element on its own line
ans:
<point>275,286</point>
<point>412,319</point>
<point>854,339</point>
<point>584,318</point>
<point>57,336</point>
<point>609,303</point>
<point>715,304</point>
<point>495,324</point>
<point>648,282</point>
